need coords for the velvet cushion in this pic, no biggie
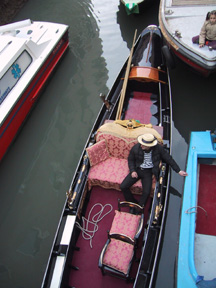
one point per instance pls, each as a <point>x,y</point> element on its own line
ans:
<point>125,223</point>
<point>110,174</point>
<point>118,255</point>
<point>119,147</point>
<point>98,152</point>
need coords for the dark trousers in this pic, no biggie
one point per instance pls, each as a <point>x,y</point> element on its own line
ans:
<point>146,178</point>
<point>212,43</point>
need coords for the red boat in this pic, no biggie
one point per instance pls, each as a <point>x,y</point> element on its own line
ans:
<point>29,52</point>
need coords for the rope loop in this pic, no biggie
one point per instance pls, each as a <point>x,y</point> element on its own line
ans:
<point>187,211</point>
<point>87,231</point>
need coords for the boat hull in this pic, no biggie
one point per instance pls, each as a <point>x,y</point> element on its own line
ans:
<point>19,112</point>
<point>196,239</point>
<point>64,262</point>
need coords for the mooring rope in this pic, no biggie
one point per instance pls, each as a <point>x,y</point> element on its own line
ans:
<point>87,233</point>
<point>187,211</point>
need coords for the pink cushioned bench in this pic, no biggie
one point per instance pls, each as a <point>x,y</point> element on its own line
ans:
<point>108,157</point>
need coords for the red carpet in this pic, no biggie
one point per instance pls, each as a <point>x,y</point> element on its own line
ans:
<point>207,200</point>
<point>142,108</point>
<point>89,275</point>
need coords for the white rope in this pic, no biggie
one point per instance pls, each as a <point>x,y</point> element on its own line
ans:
<point>87,233</point>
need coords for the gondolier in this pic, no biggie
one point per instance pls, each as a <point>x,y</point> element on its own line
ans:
<point>143,161</point>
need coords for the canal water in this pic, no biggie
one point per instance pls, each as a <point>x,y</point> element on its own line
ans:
<point>37,170</point>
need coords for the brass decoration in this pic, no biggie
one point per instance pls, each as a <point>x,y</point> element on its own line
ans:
<point>157,212</point>
<point>70,198</point>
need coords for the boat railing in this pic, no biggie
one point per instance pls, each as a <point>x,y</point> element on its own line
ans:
<point>14,26</point>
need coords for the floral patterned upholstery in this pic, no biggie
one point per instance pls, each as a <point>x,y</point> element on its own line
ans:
<point>125,223</point>
<point>98,152</point>
<point>110,173</point>
<point>118,146</point>
<point>118,255</point>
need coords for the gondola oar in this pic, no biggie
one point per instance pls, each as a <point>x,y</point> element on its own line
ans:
<point>121,100</point>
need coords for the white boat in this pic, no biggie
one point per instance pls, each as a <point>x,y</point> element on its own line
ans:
<point>197,238</point>
<point>29,52</point>
<point>180,20</point>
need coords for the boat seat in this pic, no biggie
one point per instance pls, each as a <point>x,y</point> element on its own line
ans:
<point>126,223</point>
<point>117,256</point>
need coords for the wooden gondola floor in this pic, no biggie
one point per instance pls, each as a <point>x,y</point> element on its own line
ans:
<point>86,259</point>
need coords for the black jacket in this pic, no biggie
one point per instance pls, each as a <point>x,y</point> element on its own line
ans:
<point>136,156</point>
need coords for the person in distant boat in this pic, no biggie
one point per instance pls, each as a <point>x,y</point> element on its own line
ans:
<point>207,34</point>
<point>143,161</point>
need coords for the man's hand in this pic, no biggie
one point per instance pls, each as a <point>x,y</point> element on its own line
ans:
<point>183,173</point>
<point>134,175</point>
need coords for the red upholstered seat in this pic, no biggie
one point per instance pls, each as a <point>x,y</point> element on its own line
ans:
<point>117,256</point>
<point>110,174</point>
<point>108,160</point>
<point>125,223</point>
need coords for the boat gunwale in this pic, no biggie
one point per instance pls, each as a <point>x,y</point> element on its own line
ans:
<point>189,203</point>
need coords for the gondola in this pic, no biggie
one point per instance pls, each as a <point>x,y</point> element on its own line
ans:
<point>139,100</point>
<point>197,238</point>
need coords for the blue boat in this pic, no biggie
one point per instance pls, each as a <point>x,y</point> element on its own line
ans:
<point>196,265</point>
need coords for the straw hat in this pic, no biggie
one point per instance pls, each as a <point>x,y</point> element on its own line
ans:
<point>147,140</point>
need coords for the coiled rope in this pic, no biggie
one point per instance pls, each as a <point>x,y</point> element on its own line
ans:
<point>88,233</point>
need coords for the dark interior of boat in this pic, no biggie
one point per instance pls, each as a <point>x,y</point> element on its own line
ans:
<point>86,258</point>
<point>84,263</point>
